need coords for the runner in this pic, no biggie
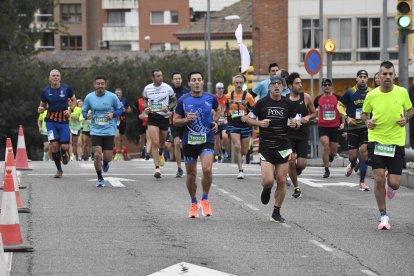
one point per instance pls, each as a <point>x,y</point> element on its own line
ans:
<point>238,104</point>
<point>41,124</point>
<point>105,107</point>
<point>391,109</point>
<point>75,124</point>
<point>357,132</point>
<point>194,112</point>
<point>273,114</point>
<point>329,121</point>
<point>121,125</point>
<point>159,100</point>
<point>55,97</point>
<point>299,138</point>
<point>221,138</point>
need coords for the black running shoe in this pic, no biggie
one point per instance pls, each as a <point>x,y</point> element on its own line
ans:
<point>65,157</point>
<point>297,193</point>
<point>331,158</point>
<point>276,217</point>
<point>326,174</point>
<point>58,174</point>
<point>265,197</point>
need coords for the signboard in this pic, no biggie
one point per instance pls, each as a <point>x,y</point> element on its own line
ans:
<point>313,62</point>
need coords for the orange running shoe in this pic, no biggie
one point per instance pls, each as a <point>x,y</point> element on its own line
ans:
<point>193,211</point>
<point>205,208</point>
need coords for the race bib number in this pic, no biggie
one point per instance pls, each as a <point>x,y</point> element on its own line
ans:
<point>222,120</point>
<point>384,150</point>
<point>155,107</point>
<point>50,135</point>
<point>196,138</point>
<point>358,112</point>
<point>285,153</point>
<point>237,113</point>
<point>329,115</point>
<point>101,120</point>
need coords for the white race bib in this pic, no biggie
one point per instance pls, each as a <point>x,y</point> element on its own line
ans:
<point>195,138</point>
<point>329,115</point>
<point>384,150</point>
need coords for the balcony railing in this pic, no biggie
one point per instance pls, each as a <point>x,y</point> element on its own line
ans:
<point>119,4</point>
<point>120,33</point>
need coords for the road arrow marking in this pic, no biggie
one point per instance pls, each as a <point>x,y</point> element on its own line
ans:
<point>312,183</point>
<point>115,181</point>
<point>189,270</point>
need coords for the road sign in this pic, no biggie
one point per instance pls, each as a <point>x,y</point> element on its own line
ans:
<point>313,62</point>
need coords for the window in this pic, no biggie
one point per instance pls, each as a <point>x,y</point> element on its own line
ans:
<point>71,42</point>
<point>157,18</point>
<point>116,18</point>
<point>71,13</point>
<point>47,41</point>
<point>164,17</point>
<point>340,30</point>
<point>309,35</point>
<point>369,37</point>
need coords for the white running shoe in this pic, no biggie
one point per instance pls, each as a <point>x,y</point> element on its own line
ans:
<point>240,175</point>
<point>384,224</point>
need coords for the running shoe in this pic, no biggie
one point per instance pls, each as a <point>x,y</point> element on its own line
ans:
<point>105,166</point>
<point>240,175</point>
<point>384,224</point>
<point>179,173</point>
<point>326,174</point>
<point>147,157</point>
<point>58,174</point>
<point>331,158</point>
<point>356,168</point>
<point>72,157</point>
<point>117,157</point>
<point>297,192</point>
<point>225,156</point>
<point>162,160</point>
<point>363,187</point>
<point>390,192</point>
<point>100,183</point>
<point>265,196</point>
<point>276,217</point>
<point>348,170</point>
<point>193,213</point>
<point>157,173</point>
<point>205,208</point>
<point>65,157</point>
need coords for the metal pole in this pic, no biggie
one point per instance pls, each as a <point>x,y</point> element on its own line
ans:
<point>205,42</point>
<point>403,58</point>
<point>321,43</point>
<point>208,48</point>
<point>329,65</point>
<point>384,35</point>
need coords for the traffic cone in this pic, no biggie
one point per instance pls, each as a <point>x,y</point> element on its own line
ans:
<point>9,219</point>
<point>3,262</point>
<point>10,166</point>
<point>21,154</point>
<point>8,146</point>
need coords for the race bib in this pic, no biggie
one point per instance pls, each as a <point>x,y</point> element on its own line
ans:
<point>222,120</point>
<point>358,112</point>
<point>196,138</point>
<point>384,150</point>
<point>285,153</point>
<point>101,120</point>
<point>50,135</point>
<point>237,113</point>
<point>329,115</point>
<point>155,107</point>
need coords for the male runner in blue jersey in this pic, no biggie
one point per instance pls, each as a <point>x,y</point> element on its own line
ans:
<point>56,97</point>
<point>194,113</point>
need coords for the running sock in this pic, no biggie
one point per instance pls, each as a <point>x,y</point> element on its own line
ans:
<point>194,200</point>
<point>363,170</point>
<point>204,197</point>
<point>157,167</point>
<point>56,158</point>
<point>277,209</point>
<point>326,169</point>
<point>99,173</point>
<point>241,171</point>
<point>383,212</point>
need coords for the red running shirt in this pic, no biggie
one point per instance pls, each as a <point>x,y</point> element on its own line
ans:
<point>328,112</point>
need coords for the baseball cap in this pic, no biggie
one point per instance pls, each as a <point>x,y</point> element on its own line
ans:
<point>362,72</point>
<point>219,85</point>
<point>326,81</point>
<point>276,78</point>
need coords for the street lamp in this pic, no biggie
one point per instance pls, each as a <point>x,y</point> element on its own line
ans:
<point>229,17</point>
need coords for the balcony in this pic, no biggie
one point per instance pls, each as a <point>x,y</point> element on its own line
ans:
<point>120,33</point>
<point>119,4</point>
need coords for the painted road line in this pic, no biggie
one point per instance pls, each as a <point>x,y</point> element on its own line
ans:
<point>236,198</point>
<point>189,270</point>
<point>321,245</point>
<point>223,191</point>
<point>369,272</point>
<point>251,207</point>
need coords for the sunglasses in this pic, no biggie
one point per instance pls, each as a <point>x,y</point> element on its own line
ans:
<point>327,84</point>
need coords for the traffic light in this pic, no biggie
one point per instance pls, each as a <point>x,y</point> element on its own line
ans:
<point>404,14</point>
<point>329,46</point>
<point>249,75</point>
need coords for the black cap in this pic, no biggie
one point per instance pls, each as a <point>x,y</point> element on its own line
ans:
<point>325,81</point>
<point>362,72</point>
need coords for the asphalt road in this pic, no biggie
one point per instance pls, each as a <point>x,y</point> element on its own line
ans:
<point>143,228</point>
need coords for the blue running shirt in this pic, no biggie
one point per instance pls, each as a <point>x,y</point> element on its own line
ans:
<point>198,131</point>
<point>57,101</point>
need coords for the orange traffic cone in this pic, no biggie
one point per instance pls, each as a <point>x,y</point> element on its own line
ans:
<point>9,219</point>
<point>21,154</point>
<point>8,146</point>
<point>10,166</point>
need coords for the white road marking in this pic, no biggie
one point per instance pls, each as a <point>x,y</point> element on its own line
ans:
<point>86,165</point>
<point>321,245</point>
<point>236,198</point>
<point>251,207</point>
<point>189,270</point>
<point>313,183</point>
<point>115,181</point>
<point>8,258</point>
<point>369,272</point>
<point>223,191</point>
